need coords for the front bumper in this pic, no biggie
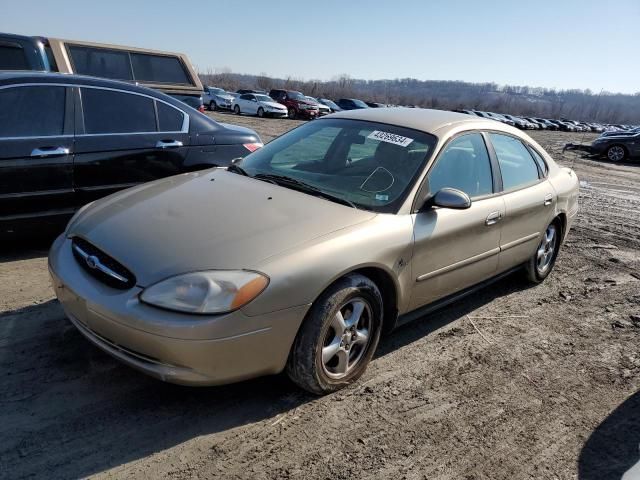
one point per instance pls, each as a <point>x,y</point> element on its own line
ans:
<point>173,347</point>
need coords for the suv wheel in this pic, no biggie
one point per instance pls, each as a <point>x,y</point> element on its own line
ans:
<point>213,106</point>
<point>292,113</point>
<point>261,112</point>
<point>338,336</point>
<point>616,153</point>
<point>236,109</point>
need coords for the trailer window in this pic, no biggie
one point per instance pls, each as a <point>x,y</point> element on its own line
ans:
<point>158,69</point>
<point>101,62</point>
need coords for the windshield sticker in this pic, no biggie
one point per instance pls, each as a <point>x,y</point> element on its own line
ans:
<point>383,198</point>
<point>390,138</point>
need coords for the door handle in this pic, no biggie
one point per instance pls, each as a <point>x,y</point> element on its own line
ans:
<point>493,218</point>
<point>49,151</point>
<point>168,144</point>
<point>548,199</point>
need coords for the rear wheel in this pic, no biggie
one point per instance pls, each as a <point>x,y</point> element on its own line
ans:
<point>338,336</point>
<point>261,112</point>
<point>236,109</point>
<point>213,106</point>
<point>541,263</point>
<point>616,153</point>
<point>292,113</point>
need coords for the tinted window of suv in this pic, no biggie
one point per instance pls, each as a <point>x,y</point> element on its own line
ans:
<point>101,62</point>
<point>31,111</point>
<point>169,119</point>
<point>12,57</point>
<point>516,163</point>
<point>106,111</point>
<point>158,69</point>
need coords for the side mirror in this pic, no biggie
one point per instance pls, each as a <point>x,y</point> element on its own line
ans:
<point>236,160</point>
<point>449,198</point>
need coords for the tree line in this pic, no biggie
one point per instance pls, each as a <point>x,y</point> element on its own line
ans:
<point>582,105</point>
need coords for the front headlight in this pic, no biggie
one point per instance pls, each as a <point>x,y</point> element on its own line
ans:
<point>217,291</point>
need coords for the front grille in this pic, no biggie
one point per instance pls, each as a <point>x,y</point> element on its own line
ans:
<point>101,266</point>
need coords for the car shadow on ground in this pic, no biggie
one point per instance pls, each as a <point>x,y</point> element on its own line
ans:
<point>613,449</point>
<point>67,405</point>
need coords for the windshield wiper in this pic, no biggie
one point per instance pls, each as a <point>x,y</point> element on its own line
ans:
<point>301,186</point>
<point>237,169</point>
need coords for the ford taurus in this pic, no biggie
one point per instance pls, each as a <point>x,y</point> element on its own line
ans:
<point>329,236</point>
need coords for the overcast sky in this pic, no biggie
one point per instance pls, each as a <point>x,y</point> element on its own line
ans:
<point>560,43</point>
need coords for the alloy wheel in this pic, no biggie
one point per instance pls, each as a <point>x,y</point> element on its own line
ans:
<point>347,338</point>
<point>547,249</point>
<point>616,153</point>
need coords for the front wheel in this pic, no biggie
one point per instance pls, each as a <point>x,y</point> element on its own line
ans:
<point>616,153</point>
<point>541,263</point>
<point>236,110</point>
<point>292,113</point>
<point>212,106</point>
<point>261,112</point>
<point>338,336</point>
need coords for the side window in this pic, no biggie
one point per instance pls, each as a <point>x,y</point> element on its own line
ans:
<point>464,165</point>
<point>169,118</point>
<point>12,57</point>
<point>539,160</point>
<point>32,111</point>
<point>106,111</point>
<point>100,62</point>
<point>245,97</point>
<point>159,69</point>
<point>516,163</point>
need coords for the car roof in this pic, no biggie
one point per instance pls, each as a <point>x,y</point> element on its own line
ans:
<point>30,76</point>
<point>422,119</point>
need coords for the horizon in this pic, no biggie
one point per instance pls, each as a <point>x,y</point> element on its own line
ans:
<point>558,45</point>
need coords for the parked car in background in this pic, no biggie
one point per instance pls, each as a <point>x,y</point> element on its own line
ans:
<point>258,104</point>
<point>296,103</point>
<point>548,124</point>
<point>217,99</point>
<point>242,91</point>
<point>375,105</point>
<point>322,108</point>
<point>331,104</point>
<point>633,131</point>
<point>617,148</point>
<point>351,104</point>
<point>299,272</point>
<point>66,140</point>
<point>520,123</point>
<point>171,73</point>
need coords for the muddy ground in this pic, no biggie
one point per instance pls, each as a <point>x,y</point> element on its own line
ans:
<point>513,382</point>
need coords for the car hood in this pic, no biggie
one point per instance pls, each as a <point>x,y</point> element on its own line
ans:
<point>225,97</point>
<point>206,220</point>
<point>273,105</point>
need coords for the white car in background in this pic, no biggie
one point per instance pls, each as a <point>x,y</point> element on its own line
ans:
<point>258,104</point>
<point>322,108</point>
<point>217,99</point>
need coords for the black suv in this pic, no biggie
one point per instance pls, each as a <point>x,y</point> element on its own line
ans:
<point>351,104</point>
<point>66,140</point>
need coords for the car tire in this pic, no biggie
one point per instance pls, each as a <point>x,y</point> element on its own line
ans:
<point>332,349</point>
<point>616,153</point>
<point>213,107</point>
<point>261,112</point>
<point>236,109</point>
<point>543,259</point>
<point>291,113</point>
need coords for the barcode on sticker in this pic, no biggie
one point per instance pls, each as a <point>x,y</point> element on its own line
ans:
<point>390,138</point>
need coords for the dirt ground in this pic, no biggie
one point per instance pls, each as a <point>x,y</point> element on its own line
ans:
<point>511,383</point>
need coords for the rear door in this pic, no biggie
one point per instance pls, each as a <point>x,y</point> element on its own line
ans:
<point>124,139</point>
<point>529,200</point>
<point>36,152</point>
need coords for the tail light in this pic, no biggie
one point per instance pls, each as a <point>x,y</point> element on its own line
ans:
<point>252,147</point>
<point>201,108</point>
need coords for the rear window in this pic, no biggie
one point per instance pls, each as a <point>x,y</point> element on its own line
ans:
<point>12,57</point>
<point>169,118</point>
<point>106,111</point>
<point>32,111</point>
<point>101,62</point>
<point>158,69</point>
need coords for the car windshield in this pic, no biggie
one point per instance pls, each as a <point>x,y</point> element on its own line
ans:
<point>329,102</point>
<point>370,165</point>
<point>360,103</point>
<point>217,91</point>
<point>264,98</point>
<point>295,95</point>
<point>311,99</point>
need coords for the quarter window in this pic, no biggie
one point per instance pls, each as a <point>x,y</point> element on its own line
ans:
<point>539,160</point>
<point>169,119</point>
<point>463,165</point>
<point>106,111</point>
<point>516,163</point>
<point>32,111</point>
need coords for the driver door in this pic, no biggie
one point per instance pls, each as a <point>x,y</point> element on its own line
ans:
<point>455,249</point>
